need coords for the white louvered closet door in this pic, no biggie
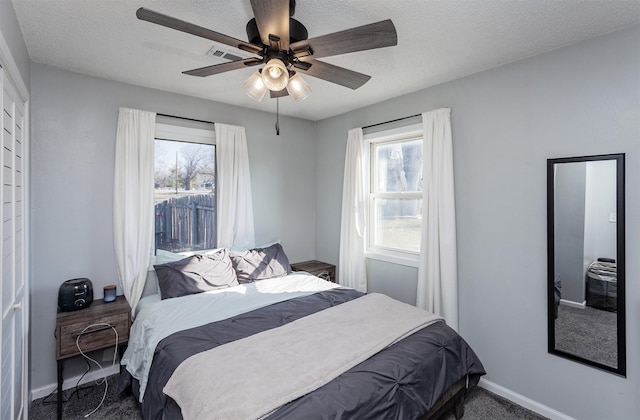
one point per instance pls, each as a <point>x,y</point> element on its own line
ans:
<point>13,293</point>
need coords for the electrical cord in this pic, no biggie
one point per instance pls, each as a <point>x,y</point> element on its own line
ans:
<point>76,390</point>
<point>60,395</point>
<point>77,387</point>
<point>115,354</point>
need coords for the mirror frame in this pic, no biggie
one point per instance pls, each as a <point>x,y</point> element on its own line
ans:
<point>621,369</point>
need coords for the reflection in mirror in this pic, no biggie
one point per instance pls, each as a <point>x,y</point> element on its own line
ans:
<point>585,212</point>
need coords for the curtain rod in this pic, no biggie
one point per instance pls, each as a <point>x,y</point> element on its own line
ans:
<point>391,121</point>
<point>184,118</point>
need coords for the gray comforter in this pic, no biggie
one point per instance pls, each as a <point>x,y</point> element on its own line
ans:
<point>401,382</point>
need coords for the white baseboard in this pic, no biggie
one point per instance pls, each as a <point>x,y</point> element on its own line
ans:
<point>525,402</point>
<point>573,304</point>
<point>71,382</point>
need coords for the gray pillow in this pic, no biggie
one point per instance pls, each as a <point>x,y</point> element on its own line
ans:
<point>196,274</point>
<point>260,263</point>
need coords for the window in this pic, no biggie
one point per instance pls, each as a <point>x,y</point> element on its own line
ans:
<point>395,194</point>
<point>184,189</point>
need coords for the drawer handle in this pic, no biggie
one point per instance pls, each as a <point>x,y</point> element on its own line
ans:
<point>92,331</point>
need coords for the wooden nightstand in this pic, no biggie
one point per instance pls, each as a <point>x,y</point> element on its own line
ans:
<point>70,325</point>
<point>317,268</point>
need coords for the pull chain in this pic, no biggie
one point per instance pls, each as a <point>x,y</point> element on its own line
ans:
<point>277,116</point>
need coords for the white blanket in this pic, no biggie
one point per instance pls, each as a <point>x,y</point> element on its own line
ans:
<point>251,377</point>
<point>160,318</point>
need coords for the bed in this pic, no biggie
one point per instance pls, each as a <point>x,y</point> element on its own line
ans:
<point>259,341</point>
<point>602,285</point>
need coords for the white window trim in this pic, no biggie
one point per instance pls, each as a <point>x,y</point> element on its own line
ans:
<point>407,258</point>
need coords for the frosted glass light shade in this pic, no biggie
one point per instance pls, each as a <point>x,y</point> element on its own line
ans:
<point>298,88</point>
<point>275,75</point>
<point>255,87</point>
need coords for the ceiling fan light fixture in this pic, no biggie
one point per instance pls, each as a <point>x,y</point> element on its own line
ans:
<point>275,75</point>
<point>298,88</point>
<point>280,41</point>
<point>255,87</point>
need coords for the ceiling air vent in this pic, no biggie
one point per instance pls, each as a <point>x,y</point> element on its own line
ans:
<point>228,53</point>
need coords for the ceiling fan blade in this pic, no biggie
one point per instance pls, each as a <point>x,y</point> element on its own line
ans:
<point>224,67</point>
<point>272,18</point>
<point>374,35</point>
<point>278,94</point>
<point>190,28</point>
<point>339,75</point>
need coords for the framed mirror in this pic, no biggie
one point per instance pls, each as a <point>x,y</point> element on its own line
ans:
<point>586,260</point>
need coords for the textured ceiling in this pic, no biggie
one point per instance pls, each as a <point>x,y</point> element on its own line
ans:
<point>438,41</point>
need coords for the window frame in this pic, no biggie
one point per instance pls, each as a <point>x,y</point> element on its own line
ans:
<point>371,140</point>
<point>184,134</point>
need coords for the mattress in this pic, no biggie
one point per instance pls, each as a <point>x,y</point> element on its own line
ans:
<point>402,381</point>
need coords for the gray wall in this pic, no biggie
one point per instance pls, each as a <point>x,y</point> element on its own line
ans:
<point>579,100</point>
<point>13,36</point>
<point>569,220</point>
<point>73,128</point>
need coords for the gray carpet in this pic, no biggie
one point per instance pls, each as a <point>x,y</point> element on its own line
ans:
<point>480,405</point>
<point>588,333</point>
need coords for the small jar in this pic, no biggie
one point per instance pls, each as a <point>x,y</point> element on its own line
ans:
<point>109,293</point>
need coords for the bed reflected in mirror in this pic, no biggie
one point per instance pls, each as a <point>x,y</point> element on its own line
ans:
<point>585,212</point>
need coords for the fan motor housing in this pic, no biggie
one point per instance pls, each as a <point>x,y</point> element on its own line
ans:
<point>297,32</point>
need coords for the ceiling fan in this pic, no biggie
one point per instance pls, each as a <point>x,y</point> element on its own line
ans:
<point>282,45</point>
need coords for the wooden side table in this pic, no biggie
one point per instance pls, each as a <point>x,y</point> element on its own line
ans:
<point>99,317</point>
<point>317,268</point>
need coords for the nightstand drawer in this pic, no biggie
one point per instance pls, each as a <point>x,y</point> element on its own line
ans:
<point>320,269</point>
<point>326,274</point>
<point>97,337</point>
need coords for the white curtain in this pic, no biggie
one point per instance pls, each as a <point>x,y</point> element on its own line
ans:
<point>437,271</point>
<point>233,184</point>
<point>133,200</point>
<point>352,269</point>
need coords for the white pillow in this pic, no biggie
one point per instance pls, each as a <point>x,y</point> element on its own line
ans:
<point>163,256</point>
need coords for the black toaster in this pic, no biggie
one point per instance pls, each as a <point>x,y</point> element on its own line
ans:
<point>75,294</point>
